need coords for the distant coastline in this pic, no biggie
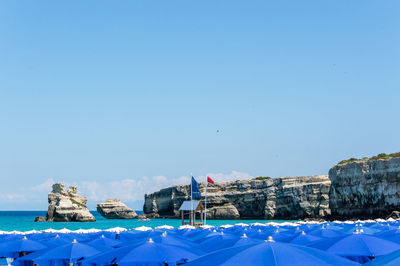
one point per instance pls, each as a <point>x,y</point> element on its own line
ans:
<point>353,189</point>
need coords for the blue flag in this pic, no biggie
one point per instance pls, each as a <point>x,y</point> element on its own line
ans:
<point>195,190</point>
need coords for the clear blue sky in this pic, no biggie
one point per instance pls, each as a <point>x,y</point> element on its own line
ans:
<point>104,91</point>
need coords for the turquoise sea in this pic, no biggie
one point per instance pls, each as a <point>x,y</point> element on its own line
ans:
<point>24,221</point>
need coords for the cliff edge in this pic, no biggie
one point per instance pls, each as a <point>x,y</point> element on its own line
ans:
<point>365,188</point>
<point>276,198</point>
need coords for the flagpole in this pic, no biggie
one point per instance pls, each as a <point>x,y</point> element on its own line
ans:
<point>205,205</point>
<point>191,199</point>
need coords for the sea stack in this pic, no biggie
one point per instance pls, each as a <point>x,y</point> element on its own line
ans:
<point>115,209</point>
<point>67,206</point>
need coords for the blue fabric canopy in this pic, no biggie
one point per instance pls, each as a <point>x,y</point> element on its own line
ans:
<point>12,248</point>
<point>270,253</point>
<point>69,252</point>
<point>219,241</point>
<point>148,253</point>
<point>391,259</point>
<point>360,247</point>
<point>104,241</point>
<point>55,241</point>
<point>304,239</point>
<point>326,233</point>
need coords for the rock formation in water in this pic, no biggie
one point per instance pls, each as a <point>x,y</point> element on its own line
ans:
<point>115,209</point>
<point>67,206</point>
<point>276,198</point>
<point>40,219</point>
<point>365,188</point>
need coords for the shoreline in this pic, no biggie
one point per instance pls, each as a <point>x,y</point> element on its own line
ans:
<point>238,223</point>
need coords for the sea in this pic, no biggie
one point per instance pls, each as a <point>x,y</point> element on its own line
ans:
<point>24,221</point>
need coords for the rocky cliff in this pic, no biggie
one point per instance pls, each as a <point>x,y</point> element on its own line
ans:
<point>67,206</point>
<point>365,188</point>
<point>115,209</point>
<point>277,198</point>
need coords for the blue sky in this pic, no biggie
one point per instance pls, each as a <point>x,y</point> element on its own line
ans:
<point>136,95</point>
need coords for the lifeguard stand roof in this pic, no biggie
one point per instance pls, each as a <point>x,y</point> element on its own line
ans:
<point>188,205</point>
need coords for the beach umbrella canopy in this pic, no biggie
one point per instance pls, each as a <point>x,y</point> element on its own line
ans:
<point>27,260</point>
<point>362,229</point>
<point>71,252</point>
<point>55,241</point>
<point>270,253</point>
<point>280,235</point>
<point>260,234</point>
<point>104,241</point>
<point>166,239</point>
<point>199,235</point>
<point>304,239</point>
<point>246,241</point>
<point>219,241</point>
<point>176,240</point>
<point>10,237</point>
<point>326,232</point>
<point>362,248</point>
<point>20,245</point>
<point>133,235</point>
<point>391,259</point>
<point>392,234</point>
<point>148,253</point>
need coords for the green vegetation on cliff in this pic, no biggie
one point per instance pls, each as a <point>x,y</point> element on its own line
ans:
<point>261,178</point>
<point>377,157</point>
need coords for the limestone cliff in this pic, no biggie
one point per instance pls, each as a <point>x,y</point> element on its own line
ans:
<point>365,188</point>
<point>277,198</point>
<point>115,209</point>
<point>67,206</point>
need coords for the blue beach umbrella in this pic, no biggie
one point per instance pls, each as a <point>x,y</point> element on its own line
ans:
<point>133,235</point>
<point>304,239</point>
<point>70,252</point>
<point>104,241</point>
<point>270,253</point>
<point>391,259</point>
<point>297,230</point>
<point>326,233</point>
<point>362,248</point>
<point>246,241</point>
<point>148,253</point>
<point>260,234</point>
<point>176,240</point>
<point>55,241</point>
<point>198,236</point>
<point>164,238</point>
<point>219,241</point>
<point>13,248</point>
<point>281,236</point>
<point>362,230</point>
<point>27,260</point>
<point>392,234</point>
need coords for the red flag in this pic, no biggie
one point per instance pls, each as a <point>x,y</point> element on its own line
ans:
<point>209,180</point>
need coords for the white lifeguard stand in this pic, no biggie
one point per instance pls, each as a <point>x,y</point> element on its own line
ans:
<point>191,207</point>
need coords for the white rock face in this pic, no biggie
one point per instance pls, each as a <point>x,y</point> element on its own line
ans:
<point>115,209</point>
<point>277,198</point>
<point>67,206</point>
<point>365,189</point>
